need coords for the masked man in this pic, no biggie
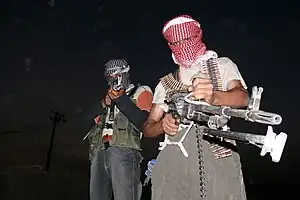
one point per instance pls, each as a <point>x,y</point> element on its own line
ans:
<point>115,138</point>
<point>191,166</point>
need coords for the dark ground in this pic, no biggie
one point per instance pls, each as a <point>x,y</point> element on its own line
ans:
<point>23,182</point>
<point>50,186</point>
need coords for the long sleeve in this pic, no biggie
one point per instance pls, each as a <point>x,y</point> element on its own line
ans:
<point>134,114</point>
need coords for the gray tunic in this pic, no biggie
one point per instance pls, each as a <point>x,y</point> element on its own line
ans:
<point>200,176</point>
<point>196,177</point>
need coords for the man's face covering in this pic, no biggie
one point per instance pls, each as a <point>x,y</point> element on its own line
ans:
<point>117,74</point>
<point>184,37</point>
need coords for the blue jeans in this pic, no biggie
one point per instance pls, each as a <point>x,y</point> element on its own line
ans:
<point>116,170</point>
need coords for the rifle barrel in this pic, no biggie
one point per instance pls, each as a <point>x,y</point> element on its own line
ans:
<point>250,115</point>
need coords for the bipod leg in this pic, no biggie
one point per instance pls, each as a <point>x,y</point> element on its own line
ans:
<point>274,144</point>
<point>240,136</point>
<point>271,143</point>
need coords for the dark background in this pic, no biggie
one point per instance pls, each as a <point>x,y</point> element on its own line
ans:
<point>53,57</point>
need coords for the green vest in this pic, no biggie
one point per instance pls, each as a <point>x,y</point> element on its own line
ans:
<point>125,134</point>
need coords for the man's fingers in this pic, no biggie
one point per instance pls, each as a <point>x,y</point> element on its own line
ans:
<point>171,125</point>
<point>111,95</point>
<point>106,101</point>
<point>115,94</point>
<point>200,80</point>
<point>170,122</point>
<point>199,96</point>
<point>170,131</point>
<point>203,92</point>
<point>197,81</point>
<point>205,95</point>
<point>203,86</point>
<point>169,118</point>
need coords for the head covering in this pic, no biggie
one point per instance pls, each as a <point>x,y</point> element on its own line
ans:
<point>117,74</point>
<point>184,36</point>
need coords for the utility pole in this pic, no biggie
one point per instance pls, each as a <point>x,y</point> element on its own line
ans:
<point>55,118</point>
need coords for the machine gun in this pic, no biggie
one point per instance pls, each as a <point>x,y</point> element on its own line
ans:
<point>184,110</point>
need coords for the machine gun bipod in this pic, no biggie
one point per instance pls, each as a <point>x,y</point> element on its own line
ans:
<point>269,143</point>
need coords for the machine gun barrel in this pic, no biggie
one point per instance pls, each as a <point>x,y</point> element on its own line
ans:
<point>250,115</point>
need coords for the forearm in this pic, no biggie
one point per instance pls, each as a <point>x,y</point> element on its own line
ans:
<point>153,128</point>
<point>88,116</point>
<point>134,114</point>
<point>234,98</point>
<point>103,103</point>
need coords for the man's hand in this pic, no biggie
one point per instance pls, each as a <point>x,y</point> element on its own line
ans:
<point>115,94</point>
<point>106,101</point>
<point>202,89</point>
<point>169,125</point>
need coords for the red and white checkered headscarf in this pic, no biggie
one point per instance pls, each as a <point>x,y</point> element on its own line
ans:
<point>184,36</point>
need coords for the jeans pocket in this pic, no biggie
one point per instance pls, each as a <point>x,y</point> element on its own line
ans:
<point>127,150</point>
<point>137,156</point>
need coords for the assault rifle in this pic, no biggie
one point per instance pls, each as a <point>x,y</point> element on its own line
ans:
<point>184,109</point>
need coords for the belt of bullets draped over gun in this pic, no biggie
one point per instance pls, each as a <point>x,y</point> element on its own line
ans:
<point>187,110</point>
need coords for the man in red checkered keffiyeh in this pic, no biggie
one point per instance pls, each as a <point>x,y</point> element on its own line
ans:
<point>184,36</point>
<point>188,167</point>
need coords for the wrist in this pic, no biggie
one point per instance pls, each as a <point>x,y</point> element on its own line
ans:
<point>160,127</point>
<point>214,100</point>
<point>103,103</point>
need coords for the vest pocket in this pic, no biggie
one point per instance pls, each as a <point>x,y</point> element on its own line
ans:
<point>124,133</point>
<point>95,141</point>
<point>121,122</point>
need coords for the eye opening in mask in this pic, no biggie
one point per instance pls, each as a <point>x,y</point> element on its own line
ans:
<point>177,43</point>
<point>114,75</point>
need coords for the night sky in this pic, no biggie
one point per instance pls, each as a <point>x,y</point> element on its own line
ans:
<point>53,57</point>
